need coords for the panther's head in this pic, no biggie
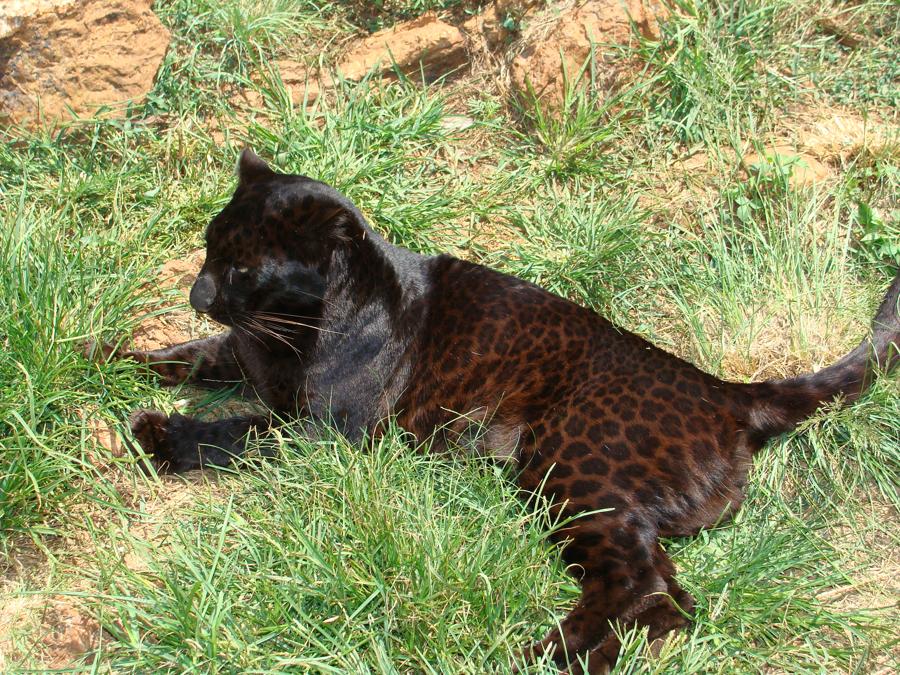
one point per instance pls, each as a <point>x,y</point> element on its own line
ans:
<point>268,251</point>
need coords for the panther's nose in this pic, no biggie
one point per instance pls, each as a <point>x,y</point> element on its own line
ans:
<point>203,293</point>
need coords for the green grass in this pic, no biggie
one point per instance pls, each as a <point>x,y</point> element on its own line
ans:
<point>335,558</point>
<point>377,558</point>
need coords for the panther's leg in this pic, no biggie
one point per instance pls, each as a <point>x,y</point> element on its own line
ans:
<point>177,443</point>
<point>625,575</point>
<point>209,362</point>
<point>670,613</point>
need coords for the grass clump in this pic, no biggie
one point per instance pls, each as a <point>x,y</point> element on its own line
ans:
<point>336,560</point>
<point>56,287</point>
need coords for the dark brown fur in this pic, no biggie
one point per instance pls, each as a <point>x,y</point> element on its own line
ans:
<point>337,324</point>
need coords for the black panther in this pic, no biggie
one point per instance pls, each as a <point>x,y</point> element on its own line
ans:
<point>329,322</point>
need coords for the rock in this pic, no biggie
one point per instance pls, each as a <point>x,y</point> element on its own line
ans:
<point>598,23</point>
<point>804,169</point>
<point>457,122</point>
<point>426,42</point>
<point>14,12</point>
<point>437,47</point>
<point>81,54</point>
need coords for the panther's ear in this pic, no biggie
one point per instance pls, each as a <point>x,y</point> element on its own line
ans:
<point>342,224</point>
<point>251,168</point>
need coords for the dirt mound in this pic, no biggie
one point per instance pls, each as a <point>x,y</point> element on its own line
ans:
<point>81,55</point>
<point>301,81</point>
<point>105,436</point>
<point>425,43</point>
<point>490,25</point>
<point>70,634</point>
<point>181,272</point>
<point>557,51</point>
<point>838,135</point>
<point>803,169</point>
<point>498,23</point>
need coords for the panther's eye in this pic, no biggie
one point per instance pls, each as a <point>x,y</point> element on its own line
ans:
<point>238,273</point>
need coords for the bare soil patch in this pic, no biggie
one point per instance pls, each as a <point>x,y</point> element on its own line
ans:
<point>175,321</point>
<point>49,630</point>
<point>39,626</point>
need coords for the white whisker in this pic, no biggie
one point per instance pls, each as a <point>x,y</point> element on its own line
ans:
<point>281,338</point>
<point>267,318</point>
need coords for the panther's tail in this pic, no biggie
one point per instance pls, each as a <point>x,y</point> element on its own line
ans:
<point>777,406</point>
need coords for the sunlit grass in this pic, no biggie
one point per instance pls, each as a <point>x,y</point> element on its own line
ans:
<point>337,558</point>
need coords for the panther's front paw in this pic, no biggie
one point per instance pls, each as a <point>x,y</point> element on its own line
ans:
<point>591,663</point>
<point>98,352</point>
<point>150,430</point>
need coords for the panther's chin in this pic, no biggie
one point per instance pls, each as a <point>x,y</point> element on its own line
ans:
<point>222,317</point>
